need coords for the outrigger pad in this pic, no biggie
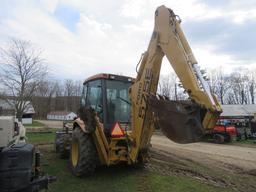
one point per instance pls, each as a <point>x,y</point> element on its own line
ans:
<point>180,121</point>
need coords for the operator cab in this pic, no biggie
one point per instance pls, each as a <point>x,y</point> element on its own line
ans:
<point>108,95</point>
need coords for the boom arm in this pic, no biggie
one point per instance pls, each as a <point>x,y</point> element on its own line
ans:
<point>167,39</point>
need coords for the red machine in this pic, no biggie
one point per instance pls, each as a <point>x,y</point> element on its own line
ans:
<point>224,133</point>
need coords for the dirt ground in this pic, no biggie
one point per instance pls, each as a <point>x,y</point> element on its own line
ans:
<point>220,165</point>
<point>209,153</point>
<point>224,166</point>
<point>243,158</point>
<point>51,123</point>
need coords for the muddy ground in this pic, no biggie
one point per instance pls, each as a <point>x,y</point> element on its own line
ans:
<point>219,165</point>
<point>212,172</point>
<point>210,153</point>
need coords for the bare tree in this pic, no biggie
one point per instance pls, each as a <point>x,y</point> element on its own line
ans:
<point>252,85</point>
<point>22,70</point>
<point>167,86</point>
<point>72,88</point>
<point>78,88</point>
<point>219,85</point>
<point>69,87</point>
<point>72,93</point>
<point>171,87</point>
<point>43,101</point>
<point>238,84</point>
<point>59,89</point>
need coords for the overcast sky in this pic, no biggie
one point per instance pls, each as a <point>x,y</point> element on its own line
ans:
<point>83,37</point>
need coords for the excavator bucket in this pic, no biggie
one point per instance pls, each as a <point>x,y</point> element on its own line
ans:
<point>180,121</point>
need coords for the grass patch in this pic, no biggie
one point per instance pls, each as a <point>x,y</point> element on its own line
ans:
<point>40,137</point>
<point>245,142</point>
<point>180,184</point>
<point>117,178</point>
<point>34,124</point>
<point>114,179</point>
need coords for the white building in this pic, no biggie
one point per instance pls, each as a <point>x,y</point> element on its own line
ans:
<point>61,115</point>
<point>7,107</point>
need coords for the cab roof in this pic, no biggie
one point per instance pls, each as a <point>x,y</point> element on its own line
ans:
<point>109,76</point>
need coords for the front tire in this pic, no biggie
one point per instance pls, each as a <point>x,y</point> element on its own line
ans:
<point>83,154</point>
<point>218,138</point>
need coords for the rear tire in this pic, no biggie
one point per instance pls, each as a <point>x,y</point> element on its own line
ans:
<point>218,138</point>
<point>83,154</point>
<point>64,146</point>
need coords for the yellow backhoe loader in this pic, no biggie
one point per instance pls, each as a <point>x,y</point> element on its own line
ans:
<point>118,114</point>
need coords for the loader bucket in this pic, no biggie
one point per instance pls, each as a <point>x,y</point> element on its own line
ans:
<point>180,121</point>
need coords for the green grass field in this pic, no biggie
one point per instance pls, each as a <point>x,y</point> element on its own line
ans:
<point>119,178</point>
<point>246,143</point>
<point>34,124</point>
<point>40,137</point>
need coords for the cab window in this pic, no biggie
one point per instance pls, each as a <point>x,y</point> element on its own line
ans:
<point>118,101</point>
<point>93,97</point>
<point>83,98</point>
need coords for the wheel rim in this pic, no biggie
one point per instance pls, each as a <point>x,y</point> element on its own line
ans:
<point>74,153</point>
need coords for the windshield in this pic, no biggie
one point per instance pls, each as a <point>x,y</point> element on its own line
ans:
<point>118,101</point>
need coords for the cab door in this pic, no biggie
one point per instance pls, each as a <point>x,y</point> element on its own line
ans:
<point>92,97</point>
